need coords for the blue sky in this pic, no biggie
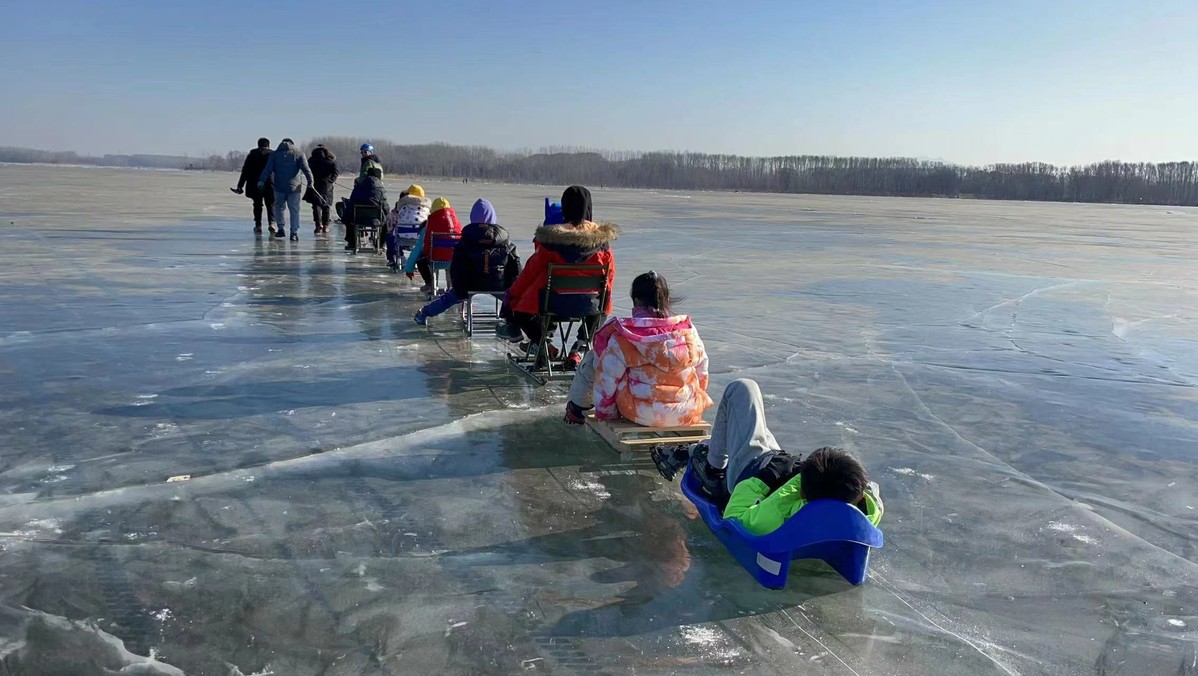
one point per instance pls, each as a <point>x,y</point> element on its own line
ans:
<point>972,81</point>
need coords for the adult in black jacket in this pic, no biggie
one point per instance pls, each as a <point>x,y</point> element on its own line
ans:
<point>484,261</point>
<point>324,173</point>
<point>368,191</point>
<point>251,169</point>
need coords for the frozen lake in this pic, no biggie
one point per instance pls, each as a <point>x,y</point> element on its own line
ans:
<point>373,497</point>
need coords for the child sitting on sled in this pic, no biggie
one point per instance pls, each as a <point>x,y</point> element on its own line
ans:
<point>404,222</point>
<point>650,368</point>
<point>760,485</point>
<point>484,261</point>
<point>434,246</point>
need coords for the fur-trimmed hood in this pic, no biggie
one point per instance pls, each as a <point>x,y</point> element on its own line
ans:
<point>587,235</point>
<point>415,201</point>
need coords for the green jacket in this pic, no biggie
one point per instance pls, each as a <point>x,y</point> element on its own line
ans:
<point>367,164</point>
<point>760,512</point>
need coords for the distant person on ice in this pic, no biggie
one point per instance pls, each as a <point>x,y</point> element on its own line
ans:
<point>324,173</point>
<point>484,261</point>
<point>744,471</point>
<point>650,368</point>
<point>251,169</point>
<point>287,169</point>
<point>369,192</point>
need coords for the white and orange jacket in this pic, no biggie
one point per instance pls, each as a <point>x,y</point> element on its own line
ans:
<point>650,370</point>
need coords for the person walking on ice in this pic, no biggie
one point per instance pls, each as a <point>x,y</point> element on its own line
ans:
<point>287,168</point>
<point>247,184</point>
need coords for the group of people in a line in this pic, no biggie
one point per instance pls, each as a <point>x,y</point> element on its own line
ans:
<point>280,179</point>
<point>650,368</point>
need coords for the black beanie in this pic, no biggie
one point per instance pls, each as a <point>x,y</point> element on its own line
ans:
<point>263,142</point>
<point>576,205</point>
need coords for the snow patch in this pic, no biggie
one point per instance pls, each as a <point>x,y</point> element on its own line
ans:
<point>710,641</point>
<point>1072,531</point>
<point>907,471</point>
<point>593,487</point>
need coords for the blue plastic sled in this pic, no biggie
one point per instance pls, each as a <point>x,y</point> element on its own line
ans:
<point>832,531</point>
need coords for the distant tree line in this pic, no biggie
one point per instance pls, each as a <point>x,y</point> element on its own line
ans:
<point>227,162</point>
<point>1112,181</point>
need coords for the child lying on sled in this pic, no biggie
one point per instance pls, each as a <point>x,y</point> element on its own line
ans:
<point>760,485</point>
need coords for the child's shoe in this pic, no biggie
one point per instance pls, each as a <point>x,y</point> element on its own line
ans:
<point>670,458</point>
<point>575,414</point>
<point>508,332</point>
<point>574,357</point>
<point>421,319</point>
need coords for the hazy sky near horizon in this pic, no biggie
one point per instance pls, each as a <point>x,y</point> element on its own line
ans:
<point>1063,81</point>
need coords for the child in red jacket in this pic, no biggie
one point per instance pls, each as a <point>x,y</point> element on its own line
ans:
<point>579,241</point>
<point>434,248</point>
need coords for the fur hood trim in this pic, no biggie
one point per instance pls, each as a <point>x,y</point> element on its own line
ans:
<point>587,235</point>
<point>415,201</point>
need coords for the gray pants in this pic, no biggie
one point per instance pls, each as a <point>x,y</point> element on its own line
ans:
<point>291,200</point>
<point>739,434</point>
<point>582,388</point>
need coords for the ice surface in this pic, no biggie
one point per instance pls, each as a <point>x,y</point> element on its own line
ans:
<point>370,496</point>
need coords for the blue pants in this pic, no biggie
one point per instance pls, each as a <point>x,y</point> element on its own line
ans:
<point>441,303</point>
<point>449,299</point>
<point>394,251</point>
<point>292,201</point>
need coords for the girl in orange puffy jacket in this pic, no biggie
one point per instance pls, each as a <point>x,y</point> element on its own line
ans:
<point>650,368</point>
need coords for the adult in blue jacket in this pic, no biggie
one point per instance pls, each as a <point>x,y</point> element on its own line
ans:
<point>288,169</point>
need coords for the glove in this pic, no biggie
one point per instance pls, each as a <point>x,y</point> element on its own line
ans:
<point>237,190</point>
<point>781,468</point>
<point>575,414</point>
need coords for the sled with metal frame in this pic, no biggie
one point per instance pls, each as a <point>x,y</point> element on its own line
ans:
<point>367,219</point>
<point>574,295</point>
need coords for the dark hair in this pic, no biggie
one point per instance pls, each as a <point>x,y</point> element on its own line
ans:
<point>287,140</point>
<point>263,142</point>
<point>833,473</point>
<point>651,291</point>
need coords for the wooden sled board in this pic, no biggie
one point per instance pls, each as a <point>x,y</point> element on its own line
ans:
<point>623,435</point>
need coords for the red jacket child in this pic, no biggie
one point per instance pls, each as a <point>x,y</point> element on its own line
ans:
<point>442,232</point>
<point>587,243</point>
